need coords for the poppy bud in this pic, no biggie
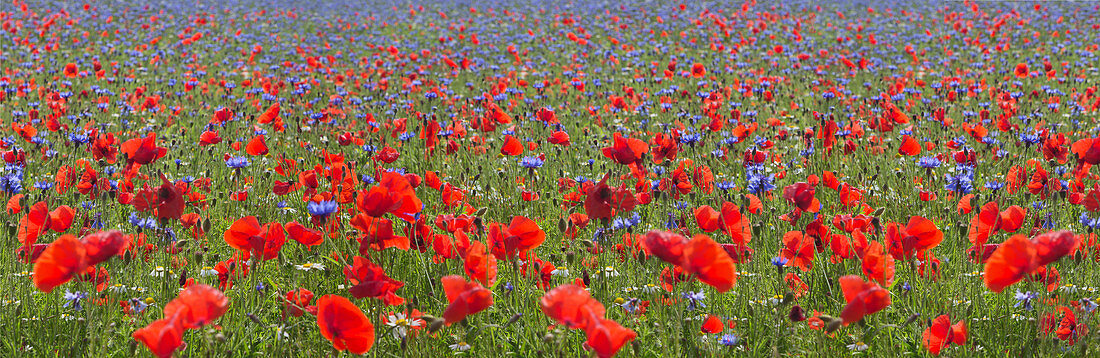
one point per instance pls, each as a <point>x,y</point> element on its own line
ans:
<point>434,323</point>
<point>832,326</point>
<point>183,277</point>
<point>219,337</point>
<point>548,338</point>
<point>788,297</point>
<point>796,314</point>
<point>584,277</point>
<point>571,257</point>
<point>254,318</point>
<point>562,225</point>
<point>514,319</point>
<point>911,319</point>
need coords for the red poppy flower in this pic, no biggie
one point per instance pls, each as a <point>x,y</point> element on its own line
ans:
<point>802,196</point>
<point>1021,70</point>
<point>665,245</point>
<point>304,235</point>
<point>61,218</point>
<point>479,265</point>
<point>270,114</point>
<point>370,280</point>
<point>166,199</point>
<point>712,325</point>
<point>863,297</point>
<point>63,259</point>
<point>571,305</point>
<point>197,306</point>
<point>735,225</point>
<point>909,146</point>
<point>799,250</point>
<point>707,218</point>
<point>512,146</point>
<point>344,324</point>
<point>297,300</point>
<point>626,151</point>
<point>560,138</point>
<point>103,245</point>
<point>162,337</point>
<point>143,150</point>
<point>606,336</point>
<point>522,234</point>
<point>465,297</point>
<point>256,146</point>
<point>708,261</point>
<point>876,265</point>
<point>1011,262</point>
<point>33,223</point>
<point>698,70</point>
<point>393,194</point>
<point>941,334</point>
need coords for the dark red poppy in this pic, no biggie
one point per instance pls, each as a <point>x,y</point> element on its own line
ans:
<point>665,245</point>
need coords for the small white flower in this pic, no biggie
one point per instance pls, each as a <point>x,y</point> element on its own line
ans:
<point>460,347</point>
<point>160,271</point>
<point>610,272</point>
<point>208,271</point>
<point>310,266</point>
<point>560,271</point>
<point>23,274</point>
<point>401,323</point>
<point>858,347</point>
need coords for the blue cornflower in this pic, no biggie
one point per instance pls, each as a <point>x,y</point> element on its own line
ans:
<point>729,340</point>
<point>74,298</point>
<point>1025,299</point>
<point>237,162</point>
<point>322,208</point>
<point>929,162</point>
<point>695,299</point>
<point>779,261</point>
<point>531,162</point>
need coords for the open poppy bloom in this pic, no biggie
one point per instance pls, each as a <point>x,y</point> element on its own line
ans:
<point>863,297</point>
<point>370,280</point>
<point>162,337</point>
<point>665,245</point>
<point>1018,257</point>
<point>626,151</point>
<point>344,324</point>
<point>918,236</point>
<point>522,234</point>
<point>571,305</point>
<point>799,250</point>
<point>708,261</point>
<point>712,325</point>
<point>606,336</point>
<point>941,334</point>
<point>466,298</point>
<point>197,306</point>
<point>60,262</point>
<point>143,150</point>
<point>166,199</point>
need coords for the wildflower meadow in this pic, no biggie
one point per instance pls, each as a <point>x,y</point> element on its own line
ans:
<point>521,178</point>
